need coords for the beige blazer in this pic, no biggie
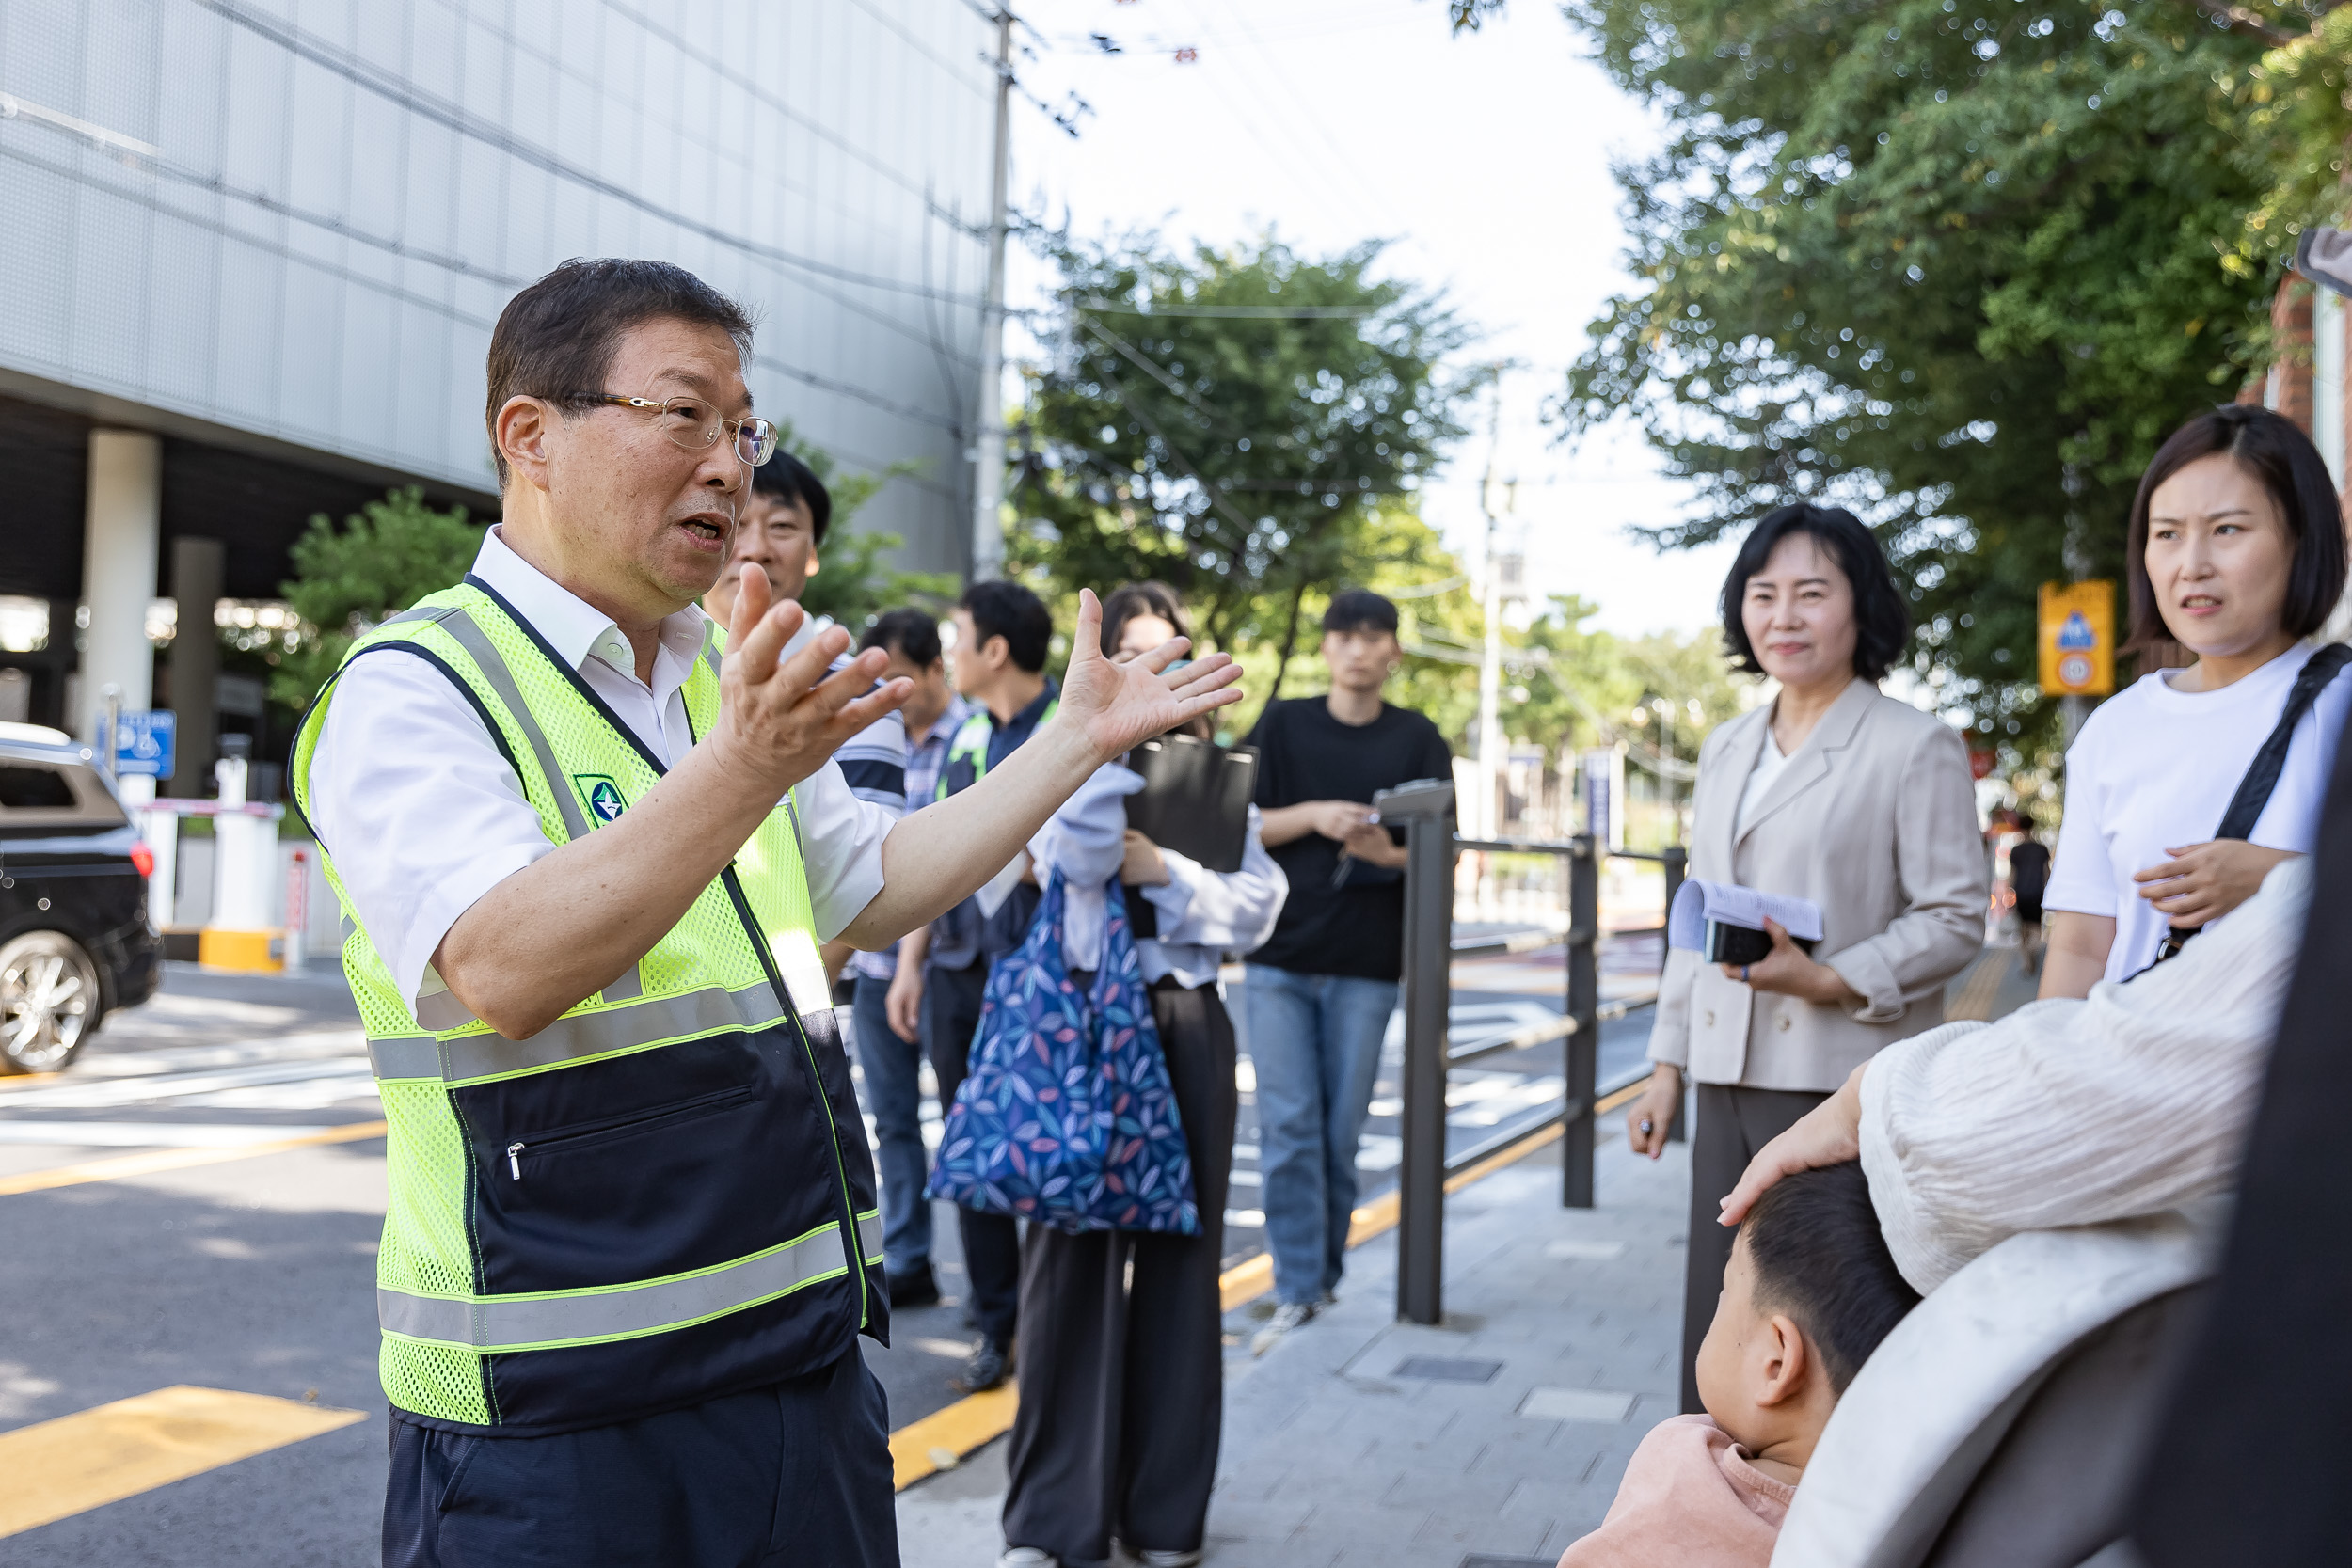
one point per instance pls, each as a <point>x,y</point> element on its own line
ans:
<point>1874,818</point>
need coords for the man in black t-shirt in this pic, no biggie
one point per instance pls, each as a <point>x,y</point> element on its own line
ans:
<point>1321,991</point>
<point>2029,878</point>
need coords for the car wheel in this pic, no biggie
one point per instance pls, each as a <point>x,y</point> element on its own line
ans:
<point>48,1002</point>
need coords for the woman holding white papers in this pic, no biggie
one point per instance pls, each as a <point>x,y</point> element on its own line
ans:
<point>1831,793</point>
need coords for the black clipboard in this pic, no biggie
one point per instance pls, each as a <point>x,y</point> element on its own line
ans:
<point>1194,798</point>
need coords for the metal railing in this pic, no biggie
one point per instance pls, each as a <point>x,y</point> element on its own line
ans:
<point>1425,811</point>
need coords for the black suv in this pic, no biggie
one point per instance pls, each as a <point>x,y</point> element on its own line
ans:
<point>75,941</point>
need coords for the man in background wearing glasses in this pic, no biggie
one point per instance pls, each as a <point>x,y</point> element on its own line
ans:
<point>631,1238</point>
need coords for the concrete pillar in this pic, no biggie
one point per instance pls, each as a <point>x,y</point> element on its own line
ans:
<point>196,568</point>
<point>121,526</point>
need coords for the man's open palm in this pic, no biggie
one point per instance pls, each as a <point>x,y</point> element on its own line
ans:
<point>1117,706</point>
<point>784,718</point>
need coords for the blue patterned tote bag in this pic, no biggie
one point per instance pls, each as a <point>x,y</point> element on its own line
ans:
<point>1067,1117</point>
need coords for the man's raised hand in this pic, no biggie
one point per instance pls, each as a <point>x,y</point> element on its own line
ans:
<point>1117,706</point>
<point>785,718</point>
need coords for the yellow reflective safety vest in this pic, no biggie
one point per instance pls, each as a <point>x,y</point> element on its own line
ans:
<point>666,1195</point>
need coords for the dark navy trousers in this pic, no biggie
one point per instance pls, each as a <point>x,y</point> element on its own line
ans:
<point>797,1473</point>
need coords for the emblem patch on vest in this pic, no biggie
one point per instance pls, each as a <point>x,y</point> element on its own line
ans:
<point>600,795</point>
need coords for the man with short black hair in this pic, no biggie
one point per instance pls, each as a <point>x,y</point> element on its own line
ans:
<point>1003,635</point>
<point>585,864</point>
<point>1319,994</point>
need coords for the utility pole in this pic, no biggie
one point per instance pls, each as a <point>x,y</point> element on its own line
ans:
<point>1489,759</point>
<point>988,446</point>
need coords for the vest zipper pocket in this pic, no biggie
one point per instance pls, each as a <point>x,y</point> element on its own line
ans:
<point>566,1142</point>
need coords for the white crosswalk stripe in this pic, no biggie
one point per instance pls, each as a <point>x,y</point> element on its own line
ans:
<point>321,1071</point>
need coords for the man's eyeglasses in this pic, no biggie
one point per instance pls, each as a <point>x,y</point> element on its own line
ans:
<point>693,424</point>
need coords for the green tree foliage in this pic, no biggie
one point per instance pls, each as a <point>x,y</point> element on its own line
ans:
<point>391,554</point>
<point>1228,420</point>
<point>1959,264</point>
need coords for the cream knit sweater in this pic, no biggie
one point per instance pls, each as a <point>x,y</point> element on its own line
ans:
<point>2064,1113</point>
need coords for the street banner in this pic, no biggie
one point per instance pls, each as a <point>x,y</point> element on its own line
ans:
<point>2078,639</point>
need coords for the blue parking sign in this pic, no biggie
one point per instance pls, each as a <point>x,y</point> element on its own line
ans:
<point>143,743</point>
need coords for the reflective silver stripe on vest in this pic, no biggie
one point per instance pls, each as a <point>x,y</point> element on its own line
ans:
<point>486,656</point>
<point>869,1237</point>
<point>526,1323</point>
<point>584,1034</point>
<point>405,1056</point>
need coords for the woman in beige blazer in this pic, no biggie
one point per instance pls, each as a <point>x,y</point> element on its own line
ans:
<point>1832,792</point>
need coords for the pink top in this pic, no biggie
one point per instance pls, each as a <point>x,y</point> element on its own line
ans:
<point>1689,1500</point>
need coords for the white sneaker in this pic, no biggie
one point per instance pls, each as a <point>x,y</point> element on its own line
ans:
<point>1286,1317</point>
<point>1027,1556</point>
<point>1168,1559</point>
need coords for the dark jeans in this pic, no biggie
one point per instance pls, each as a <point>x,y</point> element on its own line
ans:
<point>1121,1391</point>
<point>992,1243</point>
<point>1733,1124</point>
<point>894,1098</point>
<point>798,1472</point>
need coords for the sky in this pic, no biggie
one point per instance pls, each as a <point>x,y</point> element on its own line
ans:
<point>1484,158</point>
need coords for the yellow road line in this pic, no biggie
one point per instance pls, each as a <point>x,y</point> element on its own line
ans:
<point>178,1159</point>
<point>27,1080</point>
<point>77,1463</point>
<point>942,1438</point>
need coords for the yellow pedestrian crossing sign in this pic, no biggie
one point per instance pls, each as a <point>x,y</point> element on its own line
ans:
<point>2077,639</point>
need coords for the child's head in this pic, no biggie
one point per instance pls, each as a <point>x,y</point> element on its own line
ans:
<point>1810,1293</point>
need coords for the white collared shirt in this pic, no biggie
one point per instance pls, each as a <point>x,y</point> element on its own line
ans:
<point>414,800</point>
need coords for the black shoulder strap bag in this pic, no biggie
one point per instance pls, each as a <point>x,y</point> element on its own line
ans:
<point>2262,775</point>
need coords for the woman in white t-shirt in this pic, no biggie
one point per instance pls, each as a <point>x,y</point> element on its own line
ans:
<point>2237,556</point>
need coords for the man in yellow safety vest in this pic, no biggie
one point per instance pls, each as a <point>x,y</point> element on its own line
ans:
<point>587,847</point>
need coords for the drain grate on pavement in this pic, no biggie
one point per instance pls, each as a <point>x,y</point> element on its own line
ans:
<point>1446,1368</point>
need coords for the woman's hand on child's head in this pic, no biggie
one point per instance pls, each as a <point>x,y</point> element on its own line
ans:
<point>1829,1134</point>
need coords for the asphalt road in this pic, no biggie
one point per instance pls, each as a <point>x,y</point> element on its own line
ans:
<point>256,1273</point>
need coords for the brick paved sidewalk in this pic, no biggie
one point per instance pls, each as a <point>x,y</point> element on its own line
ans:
<point>1493,1440</point>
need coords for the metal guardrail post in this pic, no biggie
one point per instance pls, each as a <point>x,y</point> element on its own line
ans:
<point>1425,810</point>
<point>1583,1043</point>
<point>1677,861</point>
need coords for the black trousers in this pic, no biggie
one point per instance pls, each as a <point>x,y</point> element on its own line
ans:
<point>1123,1364</point>
<point>1733,1123</point>
<point>992,1243</point>
<point>798,1472</point>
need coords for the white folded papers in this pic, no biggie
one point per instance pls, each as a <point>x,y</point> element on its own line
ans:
<point>1698,902</point>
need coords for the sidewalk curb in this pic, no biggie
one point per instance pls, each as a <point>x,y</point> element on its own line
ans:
<point>943,1439</point>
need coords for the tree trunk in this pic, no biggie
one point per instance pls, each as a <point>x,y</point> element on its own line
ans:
<point>1290,642</point>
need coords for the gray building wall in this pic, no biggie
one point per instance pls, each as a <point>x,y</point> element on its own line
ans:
<point>298,220</point>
